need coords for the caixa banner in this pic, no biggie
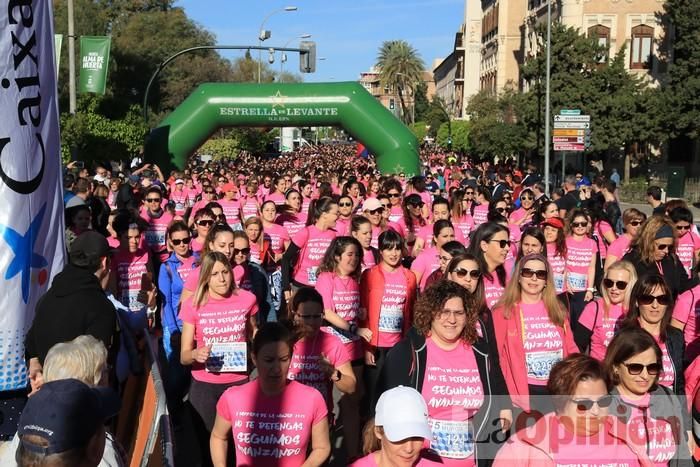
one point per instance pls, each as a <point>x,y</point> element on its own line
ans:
<point>31,213</point>
<point>94,58</point>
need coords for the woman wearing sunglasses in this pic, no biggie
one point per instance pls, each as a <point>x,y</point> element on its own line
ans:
<point>532,334</point>
<point>412,220</point>
<point>448,356</point>
<point>387,296</point>
<point>632,219</point>
<point>688,246</point>
<point>650,309</point>
<point>602,318</point>
<point>376,212</point>
<point>555,237</point>
<point>649,410</point>
<point>208,195</point>
<point>202,222</point>
<point>525,213</point>
<point>480,210</point>
<point>460,211</point>
<point>581,430</point>
<point>490,244</point>
<point>581,251</point>
<point>393,189</point>
<point>346,207</point>
<point>445,254</point>
<point>653,252</point>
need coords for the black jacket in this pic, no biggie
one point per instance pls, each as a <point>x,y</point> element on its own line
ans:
<point>405,366</point>
<point>663,406</point>
<point>675,345</point>
<point>74,305</point>
<point>673,271</point>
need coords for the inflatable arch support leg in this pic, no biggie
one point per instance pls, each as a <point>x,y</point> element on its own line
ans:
<point>347,105</point>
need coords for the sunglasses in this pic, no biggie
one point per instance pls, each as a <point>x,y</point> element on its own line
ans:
<point>386,206</point>
<point>153,200</point>
<point>241,251</point>
<point>502,243</point>
<point>310,317</point>
<point>527,273</point>
<point>416,205</point>
<point>526,198</point>
<point>394,195</point>
<point>663,246</point>
<point>178,241</point>
<point>345,205</point>
<point>682,227</point>
<point>205,223</point>
<point>635,369</point>
<point>501,210</point>
<point>462,273</point>
<point>377,211</point>
<point>583,405</point>
<point>648,299</point>
<point>635,223</point>
<point>469,193</point>
<point>579,224</point>
<point>609,283</point>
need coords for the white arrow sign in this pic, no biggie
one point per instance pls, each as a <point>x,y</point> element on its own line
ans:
<point>572,125</point>
<point>572,118</point>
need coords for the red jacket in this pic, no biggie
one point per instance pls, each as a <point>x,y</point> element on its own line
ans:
<point>372,293</point>
<point>511,353</point>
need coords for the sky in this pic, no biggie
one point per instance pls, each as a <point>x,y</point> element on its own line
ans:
<point>348,33</point>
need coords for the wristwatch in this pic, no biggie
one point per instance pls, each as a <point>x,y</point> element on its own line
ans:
<point>337,375</point>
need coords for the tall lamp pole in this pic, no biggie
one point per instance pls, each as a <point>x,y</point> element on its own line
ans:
<point>283,56</point>
<point>547,99</point>
<point>263,35</point>
<point>71,59</point>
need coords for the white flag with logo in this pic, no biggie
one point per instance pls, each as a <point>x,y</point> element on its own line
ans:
<point>31,196</point>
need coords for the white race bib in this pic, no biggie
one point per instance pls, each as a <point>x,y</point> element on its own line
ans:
<point>451,439</point>
<point>539,364</point>
<point>226,357</point>
<point>391,319</point>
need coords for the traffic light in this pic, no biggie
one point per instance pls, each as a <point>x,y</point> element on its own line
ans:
<point>587,139</point>
<point>391,104</point>
<point>307,57</point>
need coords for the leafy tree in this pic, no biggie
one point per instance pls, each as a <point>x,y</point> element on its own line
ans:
<point>458,131</point>
<point>401,69</point>
<point>420,130</point>
<point>435,116</point>
<point>420,101</point>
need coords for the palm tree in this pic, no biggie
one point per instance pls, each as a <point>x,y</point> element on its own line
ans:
<point>401,68</point>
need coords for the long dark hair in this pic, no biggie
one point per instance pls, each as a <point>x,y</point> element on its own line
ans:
<point>628,342</point>
<point>318,207</point>
<point>479,297</point>
<point>484,233</point>
<point>644,286</point>
<point>329,263</point>
<point>537,234</point>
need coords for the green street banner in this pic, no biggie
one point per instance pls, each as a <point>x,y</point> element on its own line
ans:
<point>58,42</point>
<point>94,58</point>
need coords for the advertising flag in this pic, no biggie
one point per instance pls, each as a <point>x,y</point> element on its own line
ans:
<point>94,58</point>
<point>31,219</point>
<point>58,42</point>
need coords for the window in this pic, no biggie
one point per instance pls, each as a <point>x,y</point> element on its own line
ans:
<point>641,47</point>
<point>602,35</point>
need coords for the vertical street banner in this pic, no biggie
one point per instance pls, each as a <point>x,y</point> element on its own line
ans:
<point>58,43</point>
<point>94,58</point>
<point>31,219</point>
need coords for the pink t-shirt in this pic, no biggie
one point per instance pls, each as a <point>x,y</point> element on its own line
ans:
<point>558,264</point>
<point>185,268</point>
<point>376,232</point>
<point>603,450</point>
<point>196,245</point>
<point>271,431</point>
<point>180,200</point>
<point>312,244</point>
<point>493,288</point>
<point>396,214</point>
<point>370,460</point>
<point>688,244</point>
<point>220,321</point>
<point>516,216</point>
<point>232,211</point>
<point>292,224</point>
<point>453,391</point>
<point>426,234</point>
<point>342,295</point>
<point>541,341</point>
<point>425,263</point>
<point>604,328</point>
<point>249,207</point>
<point>481,213</point>
<point>579,254</point>
<point>368,260</point>
<point>620,246</point>
<point>129,269</point>
<point>277,235</point>
<point>601,228</point>
<point>277,198</point>
<point>155,234</point>
<point>661,445</point>
<point>464,225</point>
<point>687,311</point>
<point>305,366</point>
<point>342,226</point>
<point>391,310</point>
<point>668,377</point>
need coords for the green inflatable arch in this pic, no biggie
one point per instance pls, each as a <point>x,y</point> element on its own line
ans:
<point>347,105</point>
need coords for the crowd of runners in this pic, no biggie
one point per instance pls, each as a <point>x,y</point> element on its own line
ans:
<point>460,317</point>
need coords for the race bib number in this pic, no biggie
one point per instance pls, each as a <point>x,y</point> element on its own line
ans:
<point>312,275</point>
<point>391,319</point>
<point>130,300</point>
<point>155,238</point>
<point>227,357</point>
<point>539,364</point>
<point>559,282</point>
<point>344,336</point>
<point>577,281</point>
<point>451,439</point>
<point>179,206</point>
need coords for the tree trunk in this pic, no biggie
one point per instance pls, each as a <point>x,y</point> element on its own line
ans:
<point>404,110</point>
<point>628,163</point>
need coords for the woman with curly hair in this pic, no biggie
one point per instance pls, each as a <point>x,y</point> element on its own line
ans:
<point>450,351</point>
<point>532,334</point>
<point>654,252</point>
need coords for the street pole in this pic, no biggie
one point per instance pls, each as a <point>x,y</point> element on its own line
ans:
<point>260,36</point>
<point>71,59</point>
<point>547,118</point>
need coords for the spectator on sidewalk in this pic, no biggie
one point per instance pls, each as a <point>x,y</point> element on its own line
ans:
<point>654,200</point>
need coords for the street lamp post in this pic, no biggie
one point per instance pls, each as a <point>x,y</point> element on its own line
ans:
<point>547,123</point>
<point>283,56</point>
<point>413,100</point>
<point>263,35</point>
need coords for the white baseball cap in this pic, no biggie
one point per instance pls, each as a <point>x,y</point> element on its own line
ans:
<point>402,413</point>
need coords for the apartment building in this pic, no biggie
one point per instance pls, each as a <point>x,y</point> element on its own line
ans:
<point>389,97</point>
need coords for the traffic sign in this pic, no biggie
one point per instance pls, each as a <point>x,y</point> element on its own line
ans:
<point>568,147</point>
<point>565,132</point>
<point>567,139</point>
<point>572,118</point>
<point>570,112</point>
<point>572,124</point>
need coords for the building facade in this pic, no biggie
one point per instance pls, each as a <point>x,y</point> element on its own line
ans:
<point>389,97</point>
<point>449,78</point>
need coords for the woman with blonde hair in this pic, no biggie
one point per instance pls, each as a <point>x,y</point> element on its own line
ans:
<point>632,219</point>
<point>532,333</point>
<point>602,318</point>
<point>654,252</point>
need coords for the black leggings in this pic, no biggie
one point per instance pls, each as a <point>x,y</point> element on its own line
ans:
<point>372,378</point>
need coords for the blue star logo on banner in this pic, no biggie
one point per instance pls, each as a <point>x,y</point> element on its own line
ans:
<point>23,248</point>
